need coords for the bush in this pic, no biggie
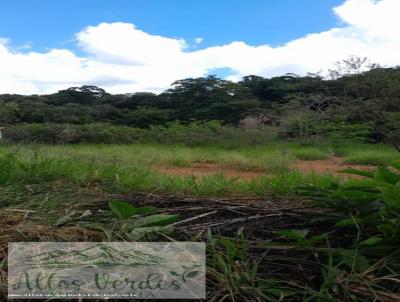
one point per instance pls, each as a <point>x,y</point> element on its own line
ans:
<point>66,133</point>
<point>331,130</point>
<point>194,134</point>
<point>210,133</point>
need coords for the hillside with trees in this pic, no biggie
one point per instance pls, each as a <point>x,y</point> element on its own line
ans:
<point>355,101</point>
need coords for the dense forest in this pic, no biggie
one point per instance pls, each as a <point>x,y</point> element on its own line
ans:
<point>352,102</point>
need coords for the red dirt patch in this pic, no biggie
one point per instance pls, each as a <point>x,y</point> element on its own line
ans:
<point>332,165</point>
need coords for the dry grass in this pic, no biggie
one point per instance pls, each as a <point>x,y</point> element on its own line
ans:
<point>16,226</point>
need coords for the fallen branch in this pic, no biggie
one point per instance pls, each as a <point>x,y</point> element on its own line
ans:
<point>194,218</point>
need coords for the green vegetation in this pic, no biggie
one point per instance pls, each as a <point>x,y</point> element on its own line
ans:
<point>372,157</point>
<point>193,134</point>
<point>309,153</point>
<point>367,213</point>
<point>359,102</point>
<point>126,169</point>
<point>63,186</point>
<point>82,164</point>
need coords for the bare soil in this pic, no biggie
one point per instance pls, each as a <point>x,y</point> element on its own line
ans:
<point>332,165</point>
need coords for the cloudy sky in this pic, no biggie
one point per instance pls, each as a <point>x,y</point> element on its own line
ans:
<point>137,45</point>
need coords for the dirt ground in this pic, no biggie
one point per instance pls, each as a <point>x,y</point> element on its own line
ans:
<point>332,165</point>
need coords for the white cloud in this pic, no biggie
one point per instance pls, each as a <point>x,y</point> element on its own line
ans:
<point>122,58</point>
<point>4,41</point>
<point>198,40</point>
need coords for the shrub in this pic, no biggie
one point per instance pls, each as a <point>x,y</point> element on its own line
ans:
<point>193,134</point>
<point>210,133</point>
<point>331,130</point>
<point>66,133</point>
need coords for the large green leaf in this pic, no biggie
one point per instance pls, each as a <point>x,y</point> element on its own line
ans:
<point>385,175</point>
<point>369,185</point>
<point>383,247</point>
<point>139,233</point>
<point>391,196</point>
<point>358,172</point>
<point>125,210</point>
<point>353,260</point>
<point>396,165</point>
<point>371,241</point>
<point>294,234</point>
<point>100,227</point>
<point>355,196</point>
<point>348,222</point>
<point>156,220</point>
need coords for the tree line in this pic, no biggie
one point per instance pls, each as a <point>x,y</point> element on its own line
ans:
<point>355,96</point>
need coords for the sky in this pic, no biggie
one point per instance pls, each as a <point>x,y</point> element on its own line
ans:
<point>126,46</point>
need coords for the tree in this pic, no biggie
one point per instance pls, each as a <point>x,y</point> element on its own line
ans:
<point>84,95</point>
<point>276,90</point>
<point>138,99</point>
<point>372,95</point>
<point>144,117</point>
<point>8,112</point>
<point>209,98</point>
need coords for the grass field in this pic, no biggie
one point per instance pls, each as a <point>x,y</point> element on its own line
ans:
<point>272,158</point>
<point>133,168</point>
<point>41,184</point>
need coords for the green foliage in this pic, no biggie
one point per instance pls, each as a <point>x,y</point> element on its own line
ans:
<point>156,220</point>
<point>355,132</point>
<point>126,169</point>
<point>133,223</point>
<point>306,153</point>
<point>371,206</point>
<point>365,232</point>
<point>354,104</point>
<point>63,134</point>
<point>142,226</point>
<point>143,117</point>
<point>237,275</point>
<point>193,134</point>
<point>209,98</point>
<point>310,130</point>
<point>373,156</point>
<point>356,250</point>
<point>148,233</point>
<point>124,210</point>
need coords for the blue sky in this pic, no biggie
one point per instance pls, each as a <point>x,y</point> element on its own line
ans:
<point>126,46</point>
<point>50,24</point>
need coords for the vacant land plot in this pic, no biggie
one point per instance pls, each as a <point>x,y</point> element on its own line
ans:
<point>247,204</point>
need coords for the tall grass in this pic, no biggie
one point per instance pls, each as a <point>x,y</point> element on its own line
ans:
<point>36,168</point>
<point>372,157</point>
<point>310,153</point>
<point>51,180</point>
<point>131,168</point>
<point>377,154</point>
<point>277,156</point>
